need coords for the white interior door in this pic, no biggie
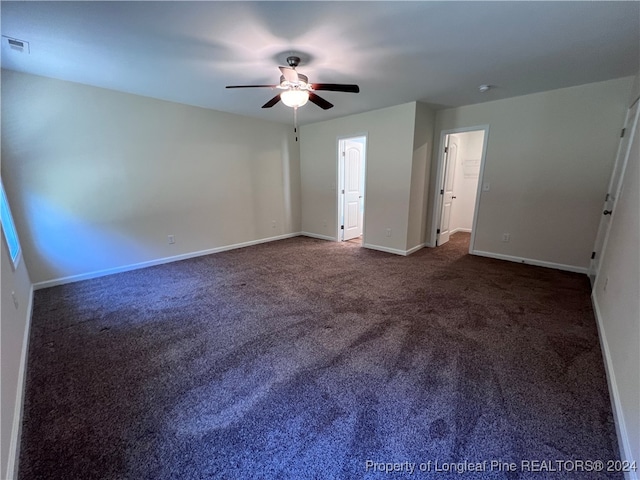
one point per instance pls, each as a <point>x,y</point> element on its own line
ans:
<point>615,184</point>
<point>353,189</point>
<point>450,158</point>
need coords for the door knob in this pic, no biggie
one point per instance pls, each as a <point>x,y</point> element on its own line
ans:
<point>607,212</point>
<point>453,197</point>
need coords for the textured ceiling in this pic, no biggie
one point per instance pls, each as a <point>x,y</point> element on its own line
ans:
<point>434,52</point>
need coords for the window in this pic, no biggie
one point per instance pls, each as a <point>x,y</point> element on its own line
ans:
<point>9,229</point>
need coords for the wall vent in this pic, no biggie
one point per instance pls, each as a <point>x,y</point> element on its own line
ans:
<point>16,44</point>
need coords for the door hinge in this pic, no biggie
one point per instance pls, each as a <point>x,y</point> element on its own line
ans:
<point>446,149</point>
<point>622,132</point>
<point>607,197</point>
<point>341,227</point>
<point>441,192</point>
<point>343,191</point>
<point>593,255</point>
<point>438,231</point>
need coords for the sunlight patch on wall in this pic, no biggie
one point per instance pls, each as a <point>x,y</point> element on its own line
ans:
<point>67,244</point>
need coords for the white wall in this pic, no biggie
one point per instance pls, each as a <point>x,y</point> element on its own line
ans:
<point>98,178</point>
<point>549,156</point>
<point>616,297</point>
<point>13,334</point>
<point>465,182</point>
<point>420,170</point>
<point>389,161</point>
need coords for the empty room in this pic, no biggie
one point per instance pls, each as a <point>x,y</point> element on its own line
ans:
<point>320,240</point>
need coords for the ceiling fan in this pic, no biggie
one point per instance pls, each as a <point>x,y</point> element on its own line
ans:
<point>296,89</point>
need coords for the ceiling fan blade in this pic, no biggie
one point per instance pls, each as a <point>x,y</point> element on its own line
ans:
<point>319,101</point>
<point>289,74</point>
<point>251,86</point>
<point>272,102</point>
<point>336,87</point>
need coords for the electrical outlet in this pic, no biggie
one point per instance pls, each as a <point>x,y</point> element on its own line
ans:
<point>273,224</point>
<point>388,232</point>
<point>506,237</point>
<point>172,239</point>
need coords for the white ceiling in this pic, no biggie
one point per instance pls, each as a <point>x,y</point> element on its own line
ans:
<point>434,52</point>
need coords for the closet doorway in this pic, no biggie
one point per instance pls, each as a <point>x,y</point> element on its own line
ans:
<point>351,187</point>
<point>460,167</point>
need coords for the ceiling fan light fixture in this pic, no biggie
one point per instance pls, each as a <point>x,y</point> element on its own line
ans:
<point>294,98</point>
<point>296,91</point>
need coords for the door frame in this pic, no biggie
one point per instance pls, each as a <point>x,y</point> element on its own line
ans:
<point>339,195</point>
<point>436,211</point>
<point>613,189</point>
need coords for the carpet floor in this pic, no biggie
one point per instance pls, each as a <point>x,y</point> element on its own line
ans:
<point>307,359</point>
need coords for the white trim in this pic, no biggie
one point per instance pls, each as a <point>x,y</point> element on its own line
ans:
<point>616,406</point>
<point>615,190</point>
<point>16,429</point>
<point>415,249</point>
<point>380,248</point>
<point>11,226</point>
<point>159,261</point>
<point>318,236</point>
<point>530,261</point>
<point>395,251</point>
<point>476,207</point>
<point>465,230</point>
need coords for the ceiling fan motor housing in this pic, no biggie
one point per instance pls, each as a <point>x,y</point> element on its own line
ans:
<point>293,61</point>
<point>303,81</point>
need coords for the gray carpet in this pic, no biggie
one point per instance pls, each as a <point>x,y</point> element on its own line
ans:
<point>306,359</point>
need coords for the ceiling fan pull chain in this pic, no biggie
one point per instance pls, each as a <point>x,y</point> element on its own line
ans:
<point>295,122</point>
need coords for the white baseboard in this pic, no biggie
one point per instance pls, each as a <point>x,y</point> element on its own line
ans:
<point>415,249</point>
<point>395,251</point>
<point>456,230</point>
<point>318,236</point>
<point>621,430</point>
<point>529,261</point>
<point>16,428</point>
<point>159,261</point>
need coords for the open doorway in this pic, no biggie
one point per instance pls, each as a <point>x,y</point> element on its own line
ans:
<point>351,186</point>
<point>460,166</point>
